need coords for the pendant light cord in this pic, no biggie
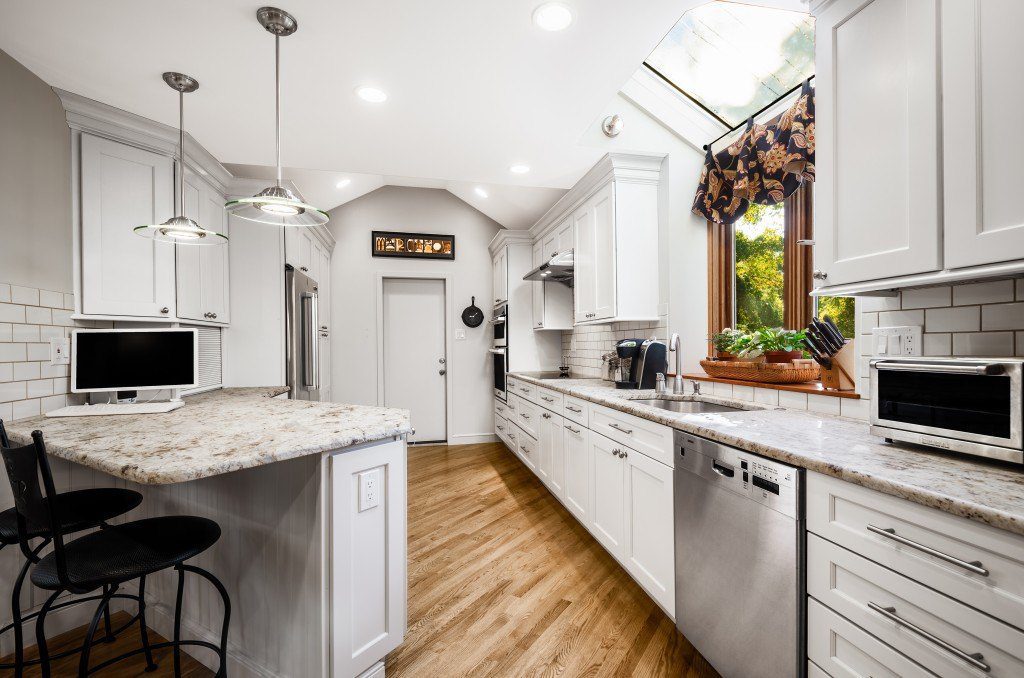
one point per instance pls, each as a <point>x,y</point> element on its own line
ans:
<point>181,152</point>
<point>277,102</point>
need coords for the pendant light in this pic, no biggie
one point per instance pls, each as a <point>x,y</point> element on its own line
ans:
<point>181,229</point>
<point>277,205</point>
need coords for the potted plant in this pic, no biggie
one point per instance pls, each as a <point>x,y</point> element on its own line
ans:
<point>746,346</point>
<point>779,345</point>
<point>722,342</point>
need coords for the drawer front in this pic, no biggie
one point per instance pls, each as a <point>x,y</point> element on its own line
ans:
<point>549,400</point>
<point>524,390</point>
<point>527,448</point>
<point>943,635</point>
<point>642,435</point>
<point>576,410</point>
<point>814,671</point>
<point>946,552</point>
<point>501,426</point>
<point>843,650</point>
<point>527,416</point>
<point>502,410</point>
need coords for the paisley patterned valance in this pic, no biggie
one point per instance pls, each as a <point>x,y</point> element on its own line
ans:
<point>765,165</point>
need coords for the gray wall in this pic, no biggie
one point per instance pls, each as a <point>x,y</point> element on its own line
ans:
<point>35,182</point>
<point>354,282</point>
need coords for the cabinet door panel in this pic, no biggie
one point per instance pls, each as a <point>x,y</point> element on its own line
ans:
<point>564,234</point>
<point>551,466</point>
<point>983,140</point>
<point>188,259</point>
<point>604,253</point>
<point>650,551</point>
<point>214,259</point>
<point>608,485</point>
<point>877,199</point>
<point>576,441</point>
<point>538,287</point>
<point>124,187</point>
<point>501,276</point>
<point>584,266</point>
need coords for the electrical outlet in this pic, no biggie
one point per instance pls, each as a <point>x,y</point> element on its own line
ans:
<point>902,340</point>
<point>369,489</point>
<point>60,351</point>
<point>460,335</point>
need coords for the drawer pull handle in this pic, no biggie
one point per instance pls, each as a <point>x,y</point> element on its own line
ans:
<point>890,533</point>
<point>524,415</point>
<point>524,390</point>
<point>574,409</point>
<point>573,430</point>
<point>974,660</point>
<point>550,400</point>
<point>546,415</point>
<point>627,431</point>
<point>500,427</point>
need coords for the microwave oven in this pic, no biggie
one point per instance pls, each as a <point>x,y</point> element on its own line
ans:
<point>968,405</point>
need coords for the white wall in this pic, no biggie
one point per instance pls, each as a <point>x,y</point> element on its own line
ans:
<point>353,297</point>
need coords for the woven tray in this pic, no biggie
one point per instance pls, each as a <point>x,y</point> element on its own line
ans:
<point>766,373</point>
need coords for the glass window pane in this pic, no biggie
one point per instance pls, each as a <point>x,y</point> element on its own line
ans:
<point>735,59</point>
<point>840,310</point>
<point>759,256</point>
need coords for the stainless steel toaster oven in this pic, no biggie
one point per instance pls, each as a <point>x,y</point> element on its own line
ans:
<point>970,405</point>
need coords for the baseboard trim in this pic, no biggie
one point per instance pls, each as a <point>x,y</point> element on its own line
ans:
<point>472,438</point>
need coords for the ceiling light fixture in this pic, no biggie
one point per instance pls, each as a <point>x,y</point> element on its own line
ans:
<point>371,94</point>
<point>277,205</point>
<point>481,192</point>
<point>180,228</point>
<point>343,183</point>
<point>519,169</point>
<point>553,16</point>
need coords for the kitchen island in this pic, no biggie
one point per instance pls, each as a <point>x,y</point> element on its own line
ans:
<point>316,573</point>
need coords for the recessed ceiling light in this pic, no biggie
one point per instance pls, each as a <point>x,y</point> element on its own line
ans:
<point>519,169</point>
<point>371,94</point>
<point>481,192</point>
<point>552,16</point>
<point>343,183</point>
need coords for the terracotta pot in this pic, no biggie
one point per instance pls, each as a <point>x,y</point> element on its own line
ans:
<point>724,355</point>
<point>782,356</point>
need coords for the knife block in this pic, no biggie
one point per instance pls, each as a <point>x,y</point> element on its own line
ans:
<point>844,366</point>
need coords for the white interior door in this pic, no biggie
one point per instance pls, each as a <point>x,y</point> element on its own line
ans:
<point>414,354</point>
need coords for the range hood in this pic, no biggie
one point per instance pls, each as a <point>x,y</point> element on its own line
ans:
<point>558,269</point>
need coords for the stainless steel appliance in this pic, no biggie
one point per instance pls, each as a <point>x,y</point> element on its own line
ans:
<point>499,327</point>
<point>559,268</point>
<point>739,559</point>
<point>640,361</point>
<point>499,348</point>
<point>970,405</point>
<point>302,364</point>
<point>499,363</point>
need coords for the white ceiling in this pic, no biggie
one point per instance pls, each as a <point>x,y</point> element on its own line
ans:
<point>473,86</point>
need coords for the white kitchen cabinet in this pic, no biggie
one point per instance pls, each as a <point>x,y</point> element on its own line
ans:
<point>551,462</point>
<point>982,136</point>
<point>877,201</point>
<point>576,446</point>
<point>298,249</point>
<point>202,271</point>
<point>538,288</point>
<point>649,543</point>
<point>123,187</point>
<point>500,270</point>
<point>564,236</point>
<point>607,491</point>
<point>527,448</point>
<point>552,301</point>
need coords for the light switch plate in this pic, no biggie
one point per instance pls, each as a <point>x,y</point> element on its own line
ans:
<point>60,351</point>
<point>369,489</point>
<point>460,335</point>
<point>904,340</point>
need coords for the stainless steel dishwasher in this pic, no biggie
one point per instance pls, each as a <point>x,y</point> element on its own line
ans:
<point>739,559</point>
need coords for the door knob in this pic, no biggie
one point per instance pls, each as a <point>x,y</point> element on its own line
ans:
<point>819,275</point>
<point>442,372</point>
<point>165,310</point>
<point>441,360</point>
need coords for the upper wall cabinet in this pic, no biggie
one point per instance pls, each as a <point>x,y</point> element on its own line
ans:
<point>877,205</point>
<point>983,140</point>
<point>202,272</point>
<point>123,187</point>
<point>552,302</point>
<point>500,272</point>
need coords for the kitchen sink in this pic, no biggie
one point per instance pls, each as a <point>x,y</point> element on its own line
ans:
<point>688,406</point>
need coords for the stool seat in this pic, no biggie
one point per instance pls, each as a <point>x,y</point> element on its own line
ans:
<point>121,553</point>
<point>78,510</point>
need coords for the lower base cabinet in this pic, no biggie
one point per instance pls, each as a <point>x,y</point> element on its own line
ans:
<point>576,442</point>
<point>551,447</point>
<point>650,537</point>
<point>608,488</point>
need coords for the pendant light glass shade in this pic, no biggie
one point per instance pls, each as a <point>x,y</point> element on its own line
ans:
<point>277,205</point>
<point>181,229</point>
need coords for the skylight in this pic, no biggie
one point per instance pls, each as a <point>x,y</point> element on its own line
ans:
<point>733,59</point>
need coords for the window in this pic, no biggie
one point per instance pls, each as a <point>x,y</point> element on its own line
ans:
<point>734,59</point>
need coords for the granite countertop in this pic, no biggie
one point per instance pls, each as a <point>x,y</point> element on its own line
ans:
<point>986,491</point>
<point>215,432</point>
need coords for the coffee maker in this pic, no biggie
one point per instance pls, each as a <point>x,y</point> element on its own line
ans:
<point>640,361</point>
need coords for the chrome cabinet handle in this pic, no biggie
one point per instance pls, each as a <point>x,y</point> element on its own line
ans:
<point>819,275</point>
<point>500,427</point>
<point>617,452</point>
<point>890,533</point>
<point>627,431</point>
<point>213,315</point>
<point>523,390</point>
<point>546,415</point>
<point>303,269</point>
<point>524,415</point>
<point>550,400</point>
<point>165,310</point>
<point>574,409</point>
<point>573,430</point>
<point>974,659</point>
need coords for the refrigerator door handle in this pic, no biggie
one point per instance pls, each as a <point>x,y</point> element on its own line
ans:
<point>310,345</point>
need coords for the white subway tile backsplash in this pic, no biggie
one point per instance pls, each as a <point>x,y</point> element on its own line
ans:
<point>39,388</point>
<point>983,293</point>
<point>793,400</point>
<point>743,392</point>
<point>937,344</point>
<point>25,371</point>
<point>6,411</point>
<point>25,333</point>
<point>37,315</point>
<point>11,353</point>
<point>12,313</point>
<point>6,331</point>
<point>51,299</point>
<point>766,396</point>
<point>69,301</point>
<point>953,319</point>
<point>928,297</point>
<point>48,370</point>
<point>62,318</point>
<point>896,318</point>
<point>24,295</point>
<point>24,409</point>
<point>983,344</point>
<point>1002,317</point>
<point>869,304</point>
<point>54,402</point>
<point>722,390</point>
<point>823,404</point>
<point>38,351</point>
<point>7,372</point>
<point>5,293</point>
<point>854,409</point>
<point>11,391</point>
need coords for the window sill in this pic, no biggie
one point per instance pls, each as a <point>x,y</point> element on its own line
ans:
<point>808,387</point>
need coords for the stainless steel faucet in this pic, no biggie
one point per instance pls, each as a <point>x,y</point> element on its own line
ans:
<point>673,345</point>
<point>696,387</point>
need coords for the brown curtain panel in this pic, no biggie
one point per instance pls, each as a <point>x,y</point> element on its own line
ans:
<point>720,254</point>
<point>797,303</point>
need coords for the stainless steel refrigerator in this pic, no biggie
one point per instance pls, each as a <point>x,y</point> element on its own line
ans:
<point>301,331</point>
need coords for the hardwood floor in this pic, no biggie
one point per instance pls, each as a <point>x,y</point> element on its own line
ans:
<point>504,582</point>
<point>129,668</point>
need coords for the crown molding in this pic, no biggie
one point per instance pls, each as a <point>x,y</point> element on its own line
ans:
<point>509,237</point>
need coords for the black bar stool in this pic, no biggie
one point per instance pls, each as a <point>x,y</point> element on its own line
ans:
<point>108,558</point>
<point>79,510</point>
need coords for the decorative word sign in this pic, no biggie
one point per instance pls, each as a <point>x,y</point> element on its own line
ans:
<point>412,245</point>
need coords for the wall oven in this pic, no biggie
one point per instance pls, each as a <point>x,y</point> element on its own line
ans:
<point>970,405</point>
<point>499,326</point>
<point>500,364</point>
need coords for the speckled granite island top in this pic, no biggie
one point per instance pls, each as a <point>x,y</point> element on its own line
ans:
<point>988,492</point>
<point>215,432</point>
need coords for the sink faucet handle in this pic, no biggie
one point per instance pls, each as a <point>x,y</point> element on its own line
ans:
<point>696,386</point>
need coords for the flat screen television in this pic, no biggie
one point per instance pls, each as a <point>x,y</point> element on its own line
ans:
<point>134,360</point>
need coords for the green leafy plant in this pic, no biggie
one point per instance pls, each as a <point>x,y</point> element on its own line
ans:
<point>766,339</point>
<point>722,341</point>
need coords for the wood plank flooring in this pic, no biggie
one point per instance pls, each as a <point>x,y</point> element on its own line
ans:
<point>504,582</point>
<point>127,641</point>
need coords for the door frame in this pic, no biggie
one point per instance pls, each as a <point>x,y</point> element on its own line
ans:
<point>449,314</point>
